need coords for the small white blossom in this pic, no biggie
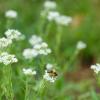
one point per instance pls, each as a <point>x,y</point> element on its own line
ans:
<point>48,50</point>
<point>29,71</point>
<point>63,20</point>
<point>11,14</point>
<point>52,15</point>
<point>49,67</point>
<point>4,42</point>
<point>49,78</point>
<point>30,53</point>
<point>96,68</point>
<point>42,48</point>
<point>6,58</point>
<point>81,45</point>
<point>35,40</point>
<point>49,5</point>
<point>13,34</point>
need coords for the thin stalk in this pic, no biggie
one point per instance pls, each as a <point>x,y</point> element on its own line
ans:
<point>27,89</point>
<point>41,89</point>
<point>7,85</point>
<point>58,38</point>
<point>68,66</point>
<point>9,23</point>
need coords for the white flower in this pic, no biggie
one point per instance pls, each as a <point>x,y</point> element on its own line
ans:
<point>13,34</point>
<point>29,71</point>
<point>81,45</point>
<point>6,58</point>
<point>42,48</point>
<point>49,78</point>
<point>63,20</point>
<point>49,67</point>
<point>96,68</point>
<point>30,53</point>
<point>35,40</point>
<point>52,15</point>
<point>49,5</point>
<point>48,50</point>
<point>4,42</point>
<point>11,14</point>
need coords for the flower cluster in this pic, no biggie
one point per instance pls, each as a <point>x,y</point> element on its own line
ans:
<point>49,5</point>
<point>29,71</point>
<point>6,58</point>
<point>35,40</point>
<point>59,19</point>
<point>52,15</point>
<point>11,14</point>
<point>39,48</point>
<point>50,73</point>
<point>13,34</point>
<point>29,53</point>
<point>10,35</point>
<point>4,42</point>
<point>42,48</point>
<point>81,45</point>
<point>96,68</point>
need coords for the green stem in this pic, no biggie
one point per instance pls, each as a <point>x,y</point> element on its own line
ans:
<point>68,66</point>
<point>58,38</point>
<point>27,89</point>
<point>9,23</point>
<point>7,85</point>
<point>41,89</point>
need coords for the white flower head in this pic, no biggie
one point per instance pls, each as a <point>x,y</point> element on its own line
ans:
<point>63,20</point>
<point>42,48</point>
<point>29,71</point>
<point>11,14</point>
<point>49,5</point>
<point>96,68</point>
<point>49,67</point>
<point>6,58</point>
<point>13,34</point>
<point>4,42</point>
<point>52,15</point>
<point>81,45</point>
<point>35,40</point>
<point>29,53</point>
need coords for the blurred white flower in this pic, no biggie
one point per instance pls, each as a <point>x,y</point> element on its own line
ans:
<point>49,5</point>
<point>29,71</point>
<point>52,15</point>
<point>49,77</point>
<point>11,14</point>
<point>29,53</point>
<point>81,45</point>
<point>13,34</point>
<point>63,20</point>
<point>35,40</point>
<point>96,68</point>
<point>49,67</point>
<point>6,58</point>
<point>39,48</point>
<point>4,42</point>
<point>42,48</point>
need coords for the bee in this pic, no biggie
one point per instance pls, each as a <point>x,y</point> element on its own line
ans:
<point>52,73</point>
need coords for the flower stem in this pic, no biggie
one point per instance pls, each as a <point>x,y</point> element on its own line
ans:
<point>58,38</point>
<point>27,89</point>
<point>7,85</point>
